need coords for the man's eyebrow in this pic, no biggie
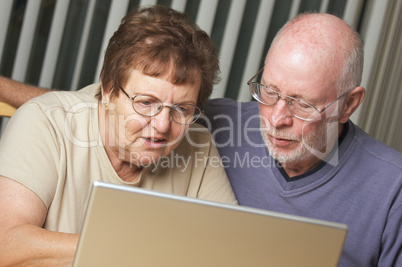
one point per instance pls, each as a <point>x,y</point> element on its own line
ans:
<point>296,96</point>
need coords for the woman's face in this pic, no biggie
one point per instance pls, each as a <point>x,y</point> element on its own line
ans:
<point>138,139</point>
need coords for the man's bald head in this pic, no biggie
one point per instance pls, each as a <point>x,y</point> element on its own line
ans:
<point>325,41</point>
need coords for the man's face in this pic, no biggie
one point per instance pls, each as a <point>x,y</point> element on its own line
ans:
<point>289,139</point>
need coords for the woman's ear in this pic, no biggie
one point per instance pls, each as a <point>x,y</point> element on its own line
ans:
<point>105,100</point>
<point>353,100</point>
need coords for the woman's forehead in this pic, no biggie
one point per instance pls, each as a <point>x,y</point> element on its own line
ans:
<point>161,87</point>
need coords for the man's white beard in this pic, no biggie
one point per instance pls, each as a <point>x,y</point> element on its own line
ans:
<point>310,144</point>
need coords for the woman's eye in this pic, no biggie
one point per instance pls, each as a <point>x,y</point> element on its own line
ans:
<point>182,109</point>
<point>146,103</point>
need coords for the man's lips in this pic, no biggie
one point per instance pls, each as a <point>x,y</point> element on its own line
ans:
<point>278,141</point>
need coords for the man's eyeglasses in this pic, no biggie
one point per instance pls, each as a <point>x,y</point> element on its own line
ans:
<point>147,105</point>
<point>297,107</point>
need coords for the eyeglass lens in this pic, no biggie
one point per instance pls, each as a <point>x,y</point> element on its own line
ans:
<point>180,113</point>
<point>268,96</point>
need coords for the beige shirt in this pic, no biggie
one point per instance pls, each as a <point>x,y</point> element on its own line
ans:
<point>52,146</point>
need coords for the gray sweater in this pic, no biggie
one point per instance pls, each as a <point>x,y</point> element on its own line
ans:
<point>361,188</point>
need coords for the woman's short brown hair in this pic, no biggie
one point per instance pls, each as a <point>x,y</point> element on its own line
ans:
<point>157,40</point>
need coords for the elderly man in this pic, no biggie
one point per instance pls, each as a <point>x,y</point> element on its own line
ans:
<point>296,151</point>
<point>299,153</point>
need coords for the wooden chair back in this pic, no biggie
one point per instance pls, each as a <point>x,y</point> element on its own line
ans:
<point>6,110</point>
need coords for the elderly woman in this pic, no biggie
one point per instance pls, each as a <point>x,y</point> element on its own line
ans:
<point>133,128</point>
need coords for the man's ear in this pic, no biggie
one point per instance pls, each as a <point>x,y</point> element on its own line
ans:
<point>353,100</point>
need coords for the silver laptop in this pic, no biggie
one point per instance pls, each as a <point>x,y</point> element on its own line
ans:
<point>126,226</point>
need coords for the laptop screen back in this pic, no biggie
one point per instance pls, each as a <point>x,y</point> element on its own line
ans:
<point>126,226</point>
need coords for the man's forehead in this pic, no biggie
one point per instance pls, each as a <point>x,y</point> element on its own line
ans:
<point>312,84</point>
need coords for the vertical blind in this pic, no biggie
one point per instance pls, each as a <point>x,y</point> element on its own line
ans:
<point>60,43</point>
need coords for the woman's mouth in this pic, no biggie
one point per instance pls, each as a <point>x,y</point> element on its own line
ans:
<point>154,142</point>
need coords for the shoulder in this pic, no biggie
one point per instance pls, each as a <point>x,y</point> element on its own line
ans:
<point>377,150</point>
<point>223,111</point>
<point>196,141</point>
<point>66,101</point>
<point>226,105</point>
<point>197,136</point>
<point>54,109</point>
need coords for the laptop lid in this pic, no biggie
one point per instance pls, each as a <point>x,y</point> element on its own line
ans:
<point>126,226</point>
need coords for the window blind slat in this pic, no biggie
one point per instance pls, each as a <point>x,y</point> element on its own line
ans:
<point>294,9</point>
<point>227,50</point>
<point>352,12</point>
<point>324,6</point>
<point>118,10</point>
<point>83,45</point>
<point>179,5</point>
<point>5,13</point>
<point>205,15</point>
<point>53,45</point>
<point>256,51</point>
<point>148,2</point>
<point>26,39</point>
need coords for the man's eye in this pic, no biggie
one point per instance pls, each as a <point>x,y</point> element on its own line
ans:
<point>270,93</point>
<point>302,105</point>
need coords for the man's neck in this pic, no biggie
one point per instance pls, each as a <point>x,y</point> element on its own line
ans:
<point>300,167</point>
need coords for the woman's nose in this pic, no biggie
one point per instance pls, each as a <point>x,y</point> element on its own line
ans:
<point>162,121</point>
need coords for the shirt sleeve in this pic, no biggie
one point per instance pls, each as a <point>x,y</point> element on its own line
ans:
<point>208,177</point>
<point>215,184</point>
<point>29,152</point>
<point>391,252</point>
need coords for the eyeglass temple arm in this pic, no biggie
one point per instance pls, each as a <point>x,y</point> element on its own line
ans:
<point>333,102</point>
<point>252,78</point>
<point>126,93</point>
